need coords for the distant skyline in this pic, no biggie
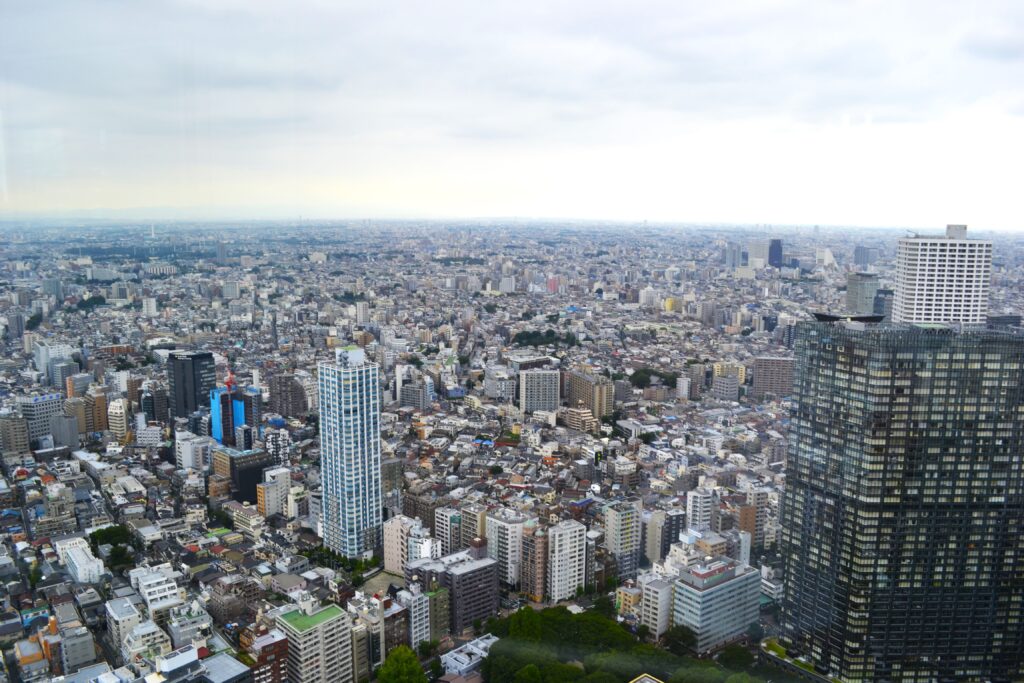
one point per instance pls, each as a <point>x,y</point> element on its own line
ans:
<point>867,113</point>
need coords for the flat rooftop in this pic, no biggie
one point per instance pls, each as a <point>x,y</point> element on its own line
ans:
<point>302,622</point>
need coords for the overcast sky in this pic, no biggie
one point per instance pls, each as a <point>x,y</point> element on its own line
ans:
<point>819,112</point>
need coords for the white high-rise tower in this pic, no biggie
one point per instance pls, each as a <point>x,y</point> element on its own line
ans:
<point>349,394</point>
<point>942,279</point>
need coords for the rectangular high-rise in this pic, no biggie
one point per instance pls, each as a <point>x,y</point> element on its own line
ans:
<point>539,390</point>
<point>350,453</point>
<point>191,376</point>
<point>622,527</point>
<point>904,503</point>
<point>567,554</point>
<point>861,289</point>
<point>942,279</point>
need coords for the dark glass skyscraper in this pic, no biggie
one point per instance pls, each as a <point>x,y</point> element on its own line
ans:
<point>191,375</point>
<point>903,515</point>
<point>775,253</point>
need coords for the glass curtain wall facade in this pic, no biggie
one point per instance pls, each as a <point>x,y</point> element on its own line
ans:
<point>903,515</point>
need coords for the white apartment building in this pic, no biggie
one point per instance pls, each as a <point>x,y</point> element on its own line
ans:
<point>700,508</point>
<point>942,279</point>
<point>319,643</point>
<point>567,555</point>
<point>158,588</point>
<point>656,605</point>
<point>539,390</point>
<point>504,530</point>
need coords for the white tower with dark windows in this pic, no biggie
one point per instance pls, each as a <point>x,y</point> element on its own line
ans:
<point>943,279</point>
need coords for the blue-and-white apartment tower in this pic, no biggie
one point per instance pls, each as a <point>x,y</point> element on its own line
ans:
<point>350,453</point>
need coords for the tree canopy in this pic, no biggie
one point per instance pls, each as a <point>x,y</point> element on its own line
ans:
<point>555,646</point>
<point>401,666</point>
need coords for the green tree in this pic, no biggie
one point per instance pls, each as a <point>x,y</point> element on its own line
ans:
<point>599,677</point>
<point>525,625</point>
<point>557,672</point>
<point>735,657</point>
<point>401,666</point>
<point>604,606</point>
<point>698,674</point>
<point>643,631</point>
<point>755,633</point>
<point>528,674</point>
<point>680,640</point>
<point>427,648</point>
<point>35,576</point>
<point>741,678</point>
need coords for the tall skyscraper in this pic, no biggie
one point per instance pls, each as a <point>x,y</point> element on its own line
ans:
<point>775,253</point>
<point>942,279</point>
<point>192,375</point>
<point>349,396</point>
<point>904,503</point>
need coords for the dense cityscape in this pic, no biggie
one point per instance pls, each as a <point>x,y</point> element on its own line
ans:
<point>510,452</point>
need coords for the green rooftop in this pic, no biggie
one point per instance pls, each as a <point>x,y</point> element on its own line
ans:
<point>302,622</point>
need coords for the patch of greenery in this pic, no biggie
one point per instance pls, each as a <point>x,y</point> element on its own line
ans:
<point>556,646</point>
<point>546,338</point>
<point>642,378</point>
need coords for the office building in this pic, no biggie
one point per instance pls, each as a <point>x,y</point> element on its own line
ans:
<point>717,599</point>
<point>46,353</point>
<point>539,390</point>
<point>904,502</point>
<point>244,469</point>
<point>77,384</point>
<point>119,416</point>
<point>191,375</point>
<point>773,376</point>
<point>319,643</point>
<point>775,253</point>
<point>154,403</point>
<point>861,289</point>
<point>622,530</point>
<point>943,279</point>
<point>865,256</point>
<point>39,411</point>
<point>567,554</point>
<point>350,453</point>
